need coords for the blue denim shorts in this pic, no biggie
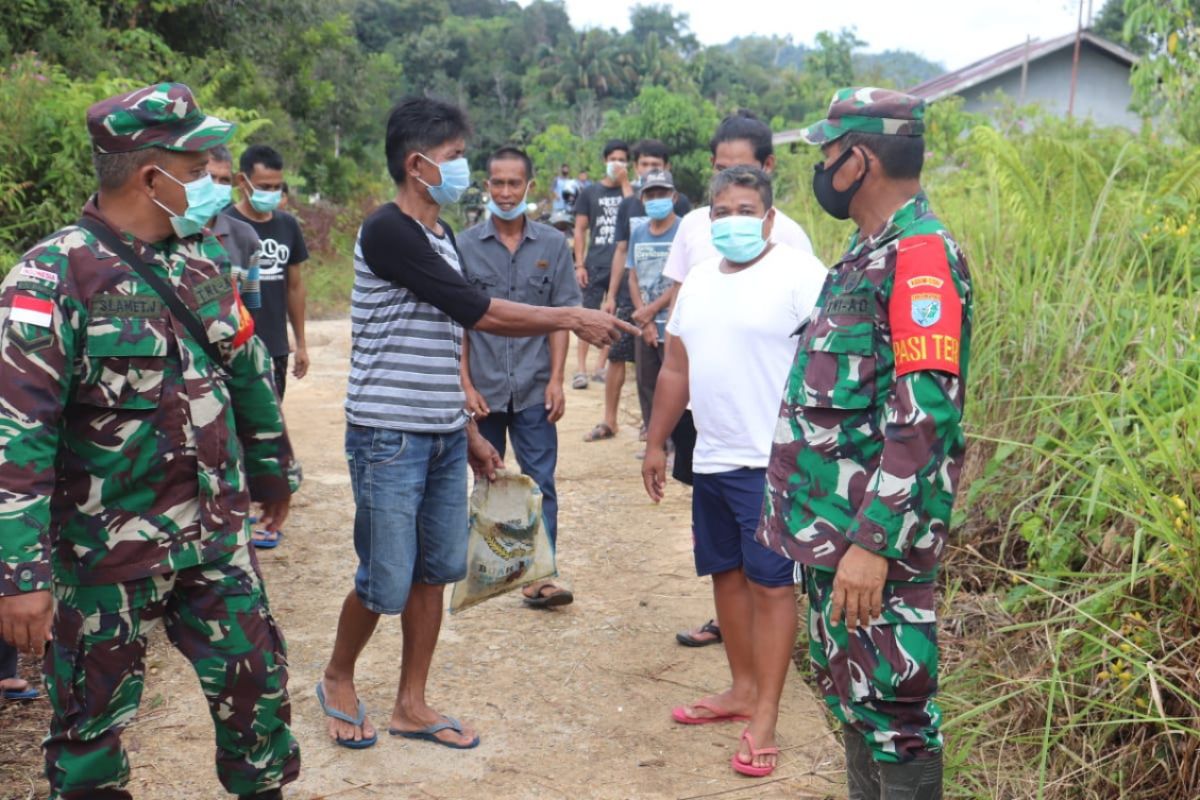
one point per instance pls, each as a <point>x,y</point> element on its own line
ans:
<point>410,516</point>
<point>726,507</point>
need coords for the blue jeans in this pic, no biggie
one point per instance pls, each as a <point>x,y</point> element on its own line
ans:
<point>410,512</point>
<point>535,444</point>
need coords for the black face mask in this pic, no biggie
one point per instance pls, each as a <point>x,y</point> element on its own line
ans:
<point>835,203</point>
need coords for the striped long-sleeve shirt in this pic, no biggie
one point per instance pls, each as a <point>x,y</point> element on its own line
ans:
<point>409,305</point>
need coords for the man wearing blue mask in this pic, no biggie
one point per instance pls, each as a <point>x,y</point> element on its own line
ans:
<point>650,291</point>
<point>260,183</point>
<point>729,348</point>
<point>409,438</point>
<point>282,295</point>
<point>237,237</point>
<point>514,387</point>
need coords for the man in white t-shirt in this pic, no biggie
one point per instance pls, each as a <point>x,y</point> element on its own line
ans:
<point>741,139</point>
<point>729,350</point>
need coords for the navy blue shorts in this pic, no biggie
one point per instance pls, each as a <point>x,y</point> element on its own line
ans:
<point>726,507</point>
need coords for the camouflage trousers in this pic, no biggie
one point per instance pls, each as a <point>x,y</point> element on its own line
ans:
<point>217,616</point>
<point>880,681</point>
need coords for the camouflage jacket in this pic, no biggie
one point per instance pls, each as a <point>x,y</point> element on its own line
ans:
<point>124,452</point>
<point>869,443</point>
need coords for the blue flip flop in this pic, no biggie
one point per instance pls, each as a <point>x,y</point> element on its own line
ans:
<point>353,744</point>
<point>267,544</point>
<point>21,694</point>
<point>428,734</point>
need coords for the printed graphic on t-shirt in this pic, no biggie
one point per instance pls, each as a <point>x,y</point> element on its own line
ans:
<point>273,259</point>
<point>604,227</point>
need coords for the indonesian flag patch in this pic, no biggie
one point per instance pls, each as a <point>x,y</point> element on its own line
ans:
<point>32,310</point>
<point>925,311</point>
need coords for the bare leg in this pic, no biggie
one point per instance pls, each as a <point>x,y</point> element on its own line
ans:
<point>735,613</point>
<point>581,350</point>
<point>614,381</point>
<point>774,636</point>
<point>355,627</point>
<point>422,621</point>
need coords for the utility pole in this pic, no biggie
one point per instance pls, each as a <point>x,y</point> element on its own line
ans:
<point>1075,63</point>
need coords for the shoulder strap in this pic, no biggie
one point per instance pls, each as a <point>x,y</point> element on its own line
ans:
<point>177,307</point>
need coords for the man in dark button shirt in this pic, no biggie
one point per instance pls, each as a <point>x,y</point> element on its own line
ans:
<point>514,387</point>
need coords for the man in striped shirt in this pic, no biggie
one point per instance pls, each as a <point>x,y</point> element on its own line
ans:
<point>408,438</point>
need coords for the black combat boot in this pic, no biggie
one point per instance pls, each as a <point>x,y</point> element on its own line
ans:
<point>862,773</point>
<point>919,779</point>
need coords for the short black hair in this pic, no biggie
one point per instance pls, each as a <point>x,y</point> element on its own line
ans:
<point>418,123</point>
<point>256,154</point>
<point>220,153</point>
<point>612,145</point>
<point>901,157</point>
<point>511,153</point>
<point>745,176</point>
<point>743,125</point>
<point>651,148</point>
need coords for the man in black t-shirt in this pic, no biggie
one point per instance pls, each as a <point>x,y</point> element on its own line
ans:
<point>595,235</point>
<point>283,251</point>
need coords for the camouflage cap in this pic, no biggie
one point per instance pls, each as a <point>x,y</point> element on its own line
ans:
<point>164,115</point>
<point>868,110</point>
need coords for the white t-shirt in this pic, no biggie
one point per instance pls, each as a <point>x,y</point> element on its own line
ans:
<point>693,241</point>
<point>737,329</point>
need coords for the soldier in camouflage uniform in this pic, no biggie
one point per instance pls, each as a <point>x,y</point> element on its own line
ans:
<point>128,460</point>
<point>869,444</point>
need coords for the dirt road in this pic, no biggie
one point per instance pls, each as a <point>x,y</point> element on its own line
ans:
<point>571,704</point>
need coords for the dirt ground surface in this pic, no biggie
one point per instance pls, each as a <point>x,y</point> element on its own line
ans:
<point>571,703</point>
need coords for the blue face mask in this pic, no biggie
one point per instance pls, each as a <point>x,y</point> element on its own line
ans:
<point>456,177</point>
<point>262,201</point>
<point>513,213</point>
<point>224,193</point>
<point>739,239</point>
<point>202,205</point>
<point>659,208</point>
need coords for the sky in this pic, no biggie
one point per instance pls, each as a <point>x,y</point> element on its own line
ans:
<point>952,32</point>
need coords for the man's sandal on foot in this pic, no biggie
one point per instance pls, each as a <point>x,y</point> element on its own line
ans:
<point>556,597</point>
<point>601,431</point>
<point>429,734</point>
<point>580,381</point>
<point>266,540</point>
<point>686,639</point>
<point>680,714</point>
<point>748,768</point>
<point>357,721</point>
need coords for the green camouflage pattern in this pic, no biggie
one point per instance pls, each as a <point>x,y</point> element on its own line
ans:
<point>217,616</point>
<point>125,453</point>
<point>868,110</point>
<point>860,457</point>
<point>163,115</point>
<point>880,681</point>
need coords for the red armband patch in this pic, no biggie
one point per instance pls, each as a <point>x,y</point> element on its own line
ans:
<point>925,312</point>
<point>245,321</point>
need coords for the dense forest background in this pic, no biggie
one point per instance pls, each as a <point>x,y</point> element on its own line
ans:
<point>315,78</point>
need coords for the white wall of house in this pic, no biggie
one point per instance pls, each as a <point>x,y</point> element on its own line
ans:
<point>1102,92</point>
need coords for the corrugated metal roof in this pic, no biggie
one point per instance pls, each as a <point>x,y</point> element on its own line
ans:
<point>1010,59</point>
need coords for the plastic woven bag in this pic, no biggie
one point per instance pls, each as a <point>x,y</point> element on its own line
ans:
<point>508,546</point>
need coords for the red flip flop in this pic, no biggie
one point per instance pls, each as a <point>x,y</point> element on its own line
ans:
<point>750,769</point>
<point>681,715</point>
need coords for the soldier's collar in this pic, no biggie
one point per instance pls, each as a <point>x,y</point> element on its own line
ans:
<point>901,219</point>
